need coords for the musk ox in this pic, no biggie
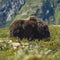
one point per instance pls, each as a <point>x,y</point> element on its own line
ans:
<point>33,28</point>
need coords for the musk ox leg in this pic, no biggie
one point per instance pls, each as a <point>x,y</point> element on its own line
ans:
<point>31,37</point>
<point>11,34</point>
<point>47,36</point>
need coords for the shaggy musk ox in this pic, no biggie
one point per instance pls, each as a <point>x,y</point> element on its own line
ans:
<point>33,28</point>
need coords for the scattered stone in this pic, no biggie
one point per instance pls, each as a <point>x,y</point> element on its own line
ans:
<point>15,45</point>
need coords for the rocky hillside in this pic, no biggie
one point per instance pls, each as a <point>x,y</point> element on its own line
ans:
<point>8,9</point>
<point>47,10</point>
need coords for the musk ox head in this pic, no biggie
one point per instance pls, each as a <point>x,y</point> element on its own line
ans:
<point>17,28</point>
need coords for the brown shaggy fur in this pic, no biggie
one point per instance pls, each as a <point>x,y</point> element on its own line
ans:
<point>30,29</point>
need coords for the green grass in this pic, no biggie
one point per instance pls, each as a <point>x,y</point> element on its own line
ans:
<point>34,50</point>
<point>57,16</point>
<point>4,32</point>
<point>0,0</point>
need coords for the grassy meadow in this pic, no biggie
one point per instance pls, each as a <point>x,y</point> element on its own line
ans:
<point>33,50</point>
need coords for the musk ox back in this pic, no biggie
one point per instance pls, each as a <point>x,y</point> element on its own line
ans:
<point>33,28</point>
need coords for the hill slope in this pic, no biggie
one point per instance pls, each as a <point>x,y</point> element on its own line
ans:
<point>8,10</point>
<point>29,50</point>
<point>34,7</point>
<point>48,10</point>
